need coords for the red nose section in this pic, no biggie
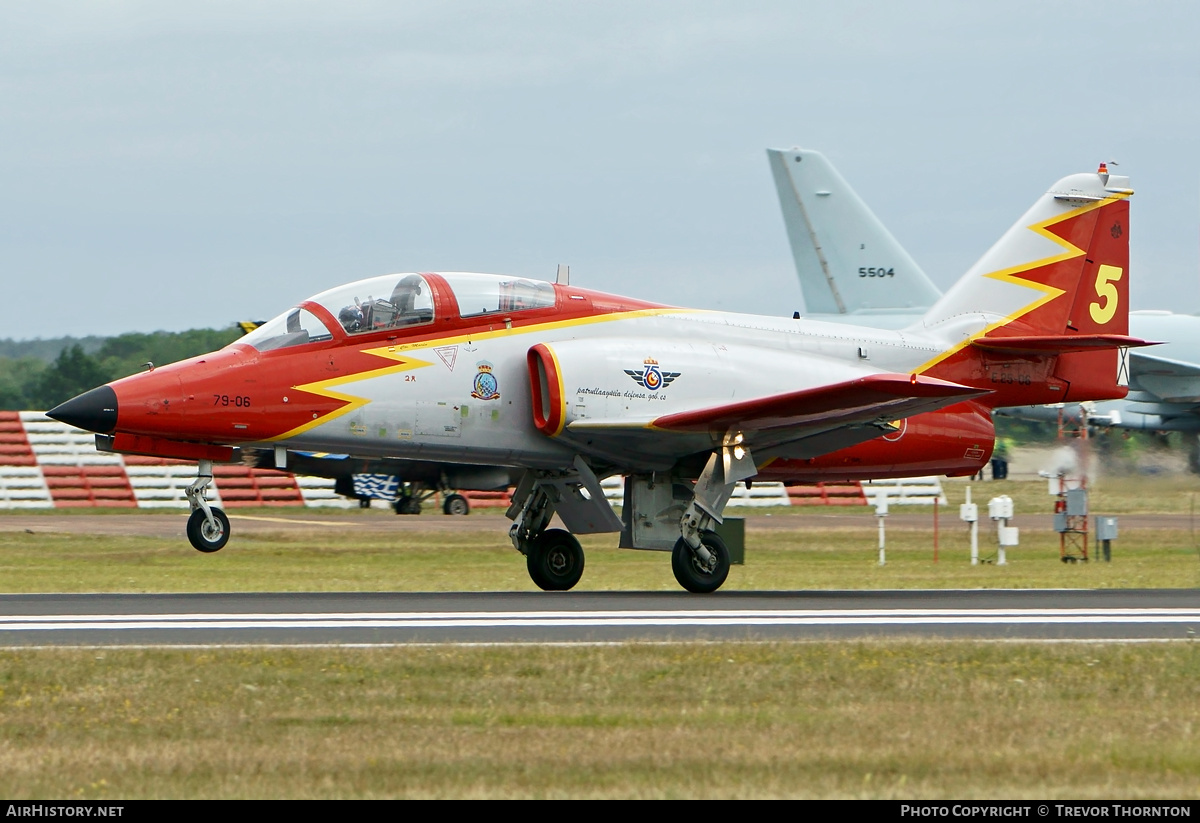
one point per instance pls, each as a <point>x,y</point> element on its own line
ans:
<point>235,395</point>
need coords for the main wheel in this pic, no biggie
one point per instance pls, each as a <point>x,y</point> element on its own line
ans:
<point>695,576</point>
<point>201,533</point>
<point>555,561</point>
<point>455,504</point>
<point>407,505</point>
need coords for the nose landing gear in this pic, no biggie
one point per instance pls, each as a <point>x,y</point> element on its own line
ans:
<point>207,527</point>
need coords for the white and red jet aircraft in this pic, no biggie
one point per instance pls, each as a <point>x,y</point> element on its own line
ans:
<point>568,386</point>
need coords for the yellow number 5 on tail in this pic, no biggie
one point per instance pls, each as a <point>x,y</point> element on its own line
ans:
<point>1106,291</point>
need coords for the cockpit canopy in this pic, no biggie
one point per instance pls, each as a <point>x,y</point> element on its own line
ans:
<point>397,301</point>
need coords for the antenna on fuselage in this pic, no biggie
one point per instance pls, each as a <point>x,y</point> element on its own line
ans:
<point>564,275</point>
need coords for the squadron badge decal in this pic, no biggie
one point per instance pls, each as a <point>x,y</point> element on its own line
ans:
<point>486,387</point>
<point>651,376</point>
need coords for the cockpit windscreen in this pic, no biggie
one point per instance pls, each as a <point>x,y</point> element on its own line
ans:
<point>294,327</point>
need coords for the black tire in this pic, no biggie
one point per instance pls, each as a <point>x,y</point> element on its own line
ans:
<point>555,561</point>
<point>201,535</point>
<point>407,505</point>
<point>456,504</point>
<point>694,577</point>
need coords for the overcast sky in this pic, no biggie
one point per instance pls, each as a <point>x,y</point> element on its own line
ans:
<point>171,165</point>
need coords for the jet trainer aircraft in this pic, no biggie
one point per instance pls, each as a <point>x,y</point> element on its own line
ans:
<point>568,386</point>
<point>852,270</point>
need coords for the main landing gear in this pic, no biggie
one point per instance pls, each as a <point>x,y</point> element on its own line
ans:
<point>553,557</point>
<point>207,527</point>
<point>661,513</point>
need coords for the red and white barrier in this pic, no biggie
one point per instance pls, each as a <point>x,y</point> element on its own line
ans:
<point>47,464</point>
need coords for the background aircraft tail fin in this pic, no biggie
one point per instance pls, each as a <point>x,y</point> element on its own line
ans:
<point>846,260</point>
<point>1044,315</point>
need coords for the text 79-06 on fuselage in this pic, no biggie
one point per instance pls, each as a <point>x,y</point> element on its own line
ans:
<point>569,386</point>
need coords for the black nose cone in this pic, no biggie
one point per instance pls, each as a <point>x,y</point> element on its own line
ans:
<point>94,410</point>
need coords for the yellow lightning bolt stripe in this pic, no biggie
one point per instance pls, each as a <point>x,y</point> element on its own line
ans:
<point>324,388</point>
<point>1010,275</point>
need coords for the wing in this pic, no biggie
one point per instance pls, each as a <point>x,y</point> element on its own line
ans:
<point>1160,378</point>
<point>836,414</point>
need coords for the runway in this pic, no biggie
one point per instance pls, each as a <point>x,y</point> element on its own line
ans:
<point>509,617</point>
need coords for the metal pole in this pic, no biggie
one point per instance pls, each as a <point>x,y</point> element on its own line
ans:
<point>974,534</point>
<point>935,530</point>
<point>881,510</point>
<point>1000,561</point>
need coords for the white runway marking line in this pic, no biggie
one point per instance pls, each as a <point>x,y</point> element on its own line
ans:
<point>593,619</point>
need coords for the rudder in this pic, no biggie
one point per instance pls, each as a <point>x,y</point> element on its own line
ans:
<point>1042,316</point>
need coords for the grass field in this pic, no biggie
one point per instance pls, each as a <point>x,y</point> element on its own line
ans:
<point>806,555</point>
<point>886,719</point>
<point>901,719</point>
<point>414,561</point>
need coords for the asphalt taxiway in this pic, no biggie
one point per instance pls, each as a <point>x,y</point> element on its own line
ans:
<point>515,617</point>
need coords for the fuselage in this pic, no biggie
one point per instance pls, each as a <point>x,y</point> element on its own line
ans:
<point>437,368</point>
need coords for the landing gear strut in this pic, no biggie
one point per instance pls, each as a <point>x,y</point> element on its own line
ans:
<point>553,564</point>
<point>207,527</point>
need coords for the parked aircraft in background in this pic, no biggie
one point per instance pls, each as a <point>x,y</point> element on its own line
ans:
<point>853,270</point>
<point>568,386</point>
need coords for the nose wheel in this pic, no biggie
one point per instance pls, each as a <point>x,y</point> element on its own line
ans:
<point>208,534</point>
<point>207,527</point>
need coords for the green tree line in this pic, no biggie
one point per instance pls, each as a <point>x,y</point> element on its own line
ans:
<point>29,381</point>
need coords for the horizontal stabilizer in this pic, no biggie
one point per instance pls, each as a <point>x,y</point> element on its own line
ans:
<point>1059,343</point>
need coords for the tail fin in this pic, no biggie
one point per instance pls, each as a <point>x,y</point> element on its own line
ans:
<point>1043,317</point>
<point>846,260</point>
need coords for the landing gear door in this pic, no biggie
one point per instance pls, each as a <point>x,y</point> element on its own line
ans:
<point>585,515</point>
<point>582,505</point>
